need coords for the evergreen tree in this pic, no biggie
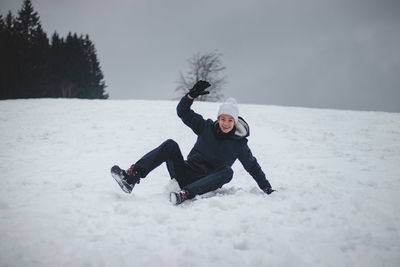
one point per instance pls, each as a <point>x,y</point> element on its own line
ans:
<point>33,48</point>
<point>2,25</point>
<point>95,83</point>
<point>73,84</point>
<point>2,56</point>
<point>9,58</point>
<point>32,67</point>
<point>56,66</point>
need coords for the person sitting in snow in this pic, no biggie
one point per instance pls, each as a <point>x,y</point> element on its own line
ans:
<point>208,165</point>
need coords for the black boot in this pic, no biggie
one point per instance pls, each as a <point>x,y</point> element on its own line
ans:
<point>177,198</point>
<point>125,179</point>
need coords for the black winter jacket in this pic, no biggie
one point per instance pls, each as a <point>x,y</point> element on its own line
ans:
<point>212,150</point>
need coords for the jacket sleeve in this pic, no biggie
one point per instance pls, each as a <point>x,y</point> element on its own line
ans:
<point>189,117</point>
<point>251,165</point>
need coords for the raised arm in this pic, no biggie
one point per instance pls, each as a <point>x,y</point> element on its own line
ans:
<point>195,121</point>
<point>189,117</point>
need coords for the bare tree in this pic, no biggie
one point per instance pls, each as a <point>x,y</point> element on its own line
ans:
<point>207,67</point>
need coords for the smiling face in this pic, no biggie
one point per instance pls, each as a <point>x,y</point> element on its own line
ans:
<point>226,123</point>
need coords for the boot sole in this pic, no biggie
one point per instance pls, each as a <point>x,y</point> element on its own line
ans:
<point>115,173</point>
<point>173,198</point>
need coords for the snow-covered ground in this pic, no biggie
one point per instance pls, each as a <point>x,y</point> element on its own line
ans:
<point>337,174</point>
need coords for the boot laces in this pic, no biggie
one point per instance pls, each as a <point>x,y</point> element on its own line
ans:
<point>130,171</point>
<point>132,175</point>
<point>184,194</point>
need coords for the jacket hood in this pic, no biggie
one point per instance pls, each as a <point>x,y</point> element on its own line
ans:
<point>241,128</point>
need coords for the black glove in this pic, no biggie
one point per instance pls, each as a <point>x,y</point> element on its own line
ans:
<point>268,190</point>
<point>198,89</point>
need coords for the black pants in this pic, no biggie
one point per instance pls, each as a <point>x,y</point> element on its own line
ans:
<point>194,183</point>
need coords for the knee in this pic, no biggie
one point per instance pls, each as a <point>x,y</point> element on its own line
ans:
<point>229,171</point>
<point>170,144</point>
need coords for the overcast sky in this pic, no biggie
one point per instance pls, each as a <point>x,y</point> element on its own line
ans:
<point>314,53</point>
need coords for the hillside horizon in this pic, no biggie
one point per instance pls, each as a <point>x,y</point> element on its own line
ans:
<point>335,171</point>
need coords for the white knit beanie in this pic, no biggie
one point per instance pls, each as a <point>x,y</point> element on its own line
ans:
<point>229,107</point>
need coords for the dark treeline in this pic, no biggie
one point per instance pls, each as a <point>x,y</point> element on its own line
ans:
<point>31,66</point>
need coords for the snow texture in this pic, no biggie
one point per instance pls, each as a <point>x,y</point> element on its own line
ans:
<point>336,173</point>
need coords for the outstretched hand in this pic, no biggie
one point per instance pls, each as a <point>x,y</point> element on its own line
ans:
<point>199,89</point>
<point>268,190</point>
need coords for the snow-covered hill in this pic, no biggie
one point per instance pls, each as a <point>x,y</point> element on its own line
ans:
<point>337,174</point>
